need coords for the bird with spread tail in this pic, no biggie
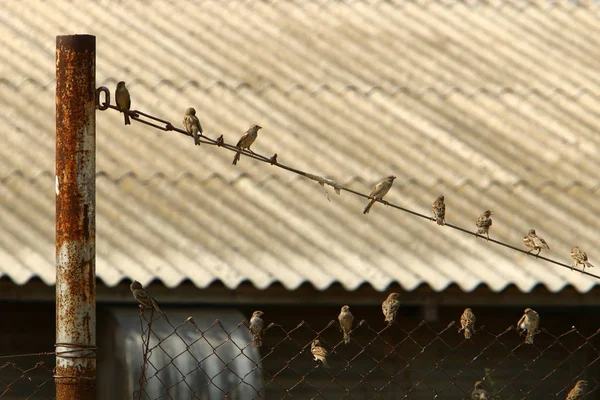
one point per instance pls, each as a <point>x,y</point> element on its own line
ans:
<point>246,141</point>
<point>123,100</point>
<point>580,258</point>
<point>192,125</point>
<point>479,392</point>
<point>346,319</point>
<point>467,323</point>
<point>534,242</point>
<point>484,222</point>
<point>319,353</point>
<point>379,190</point>
<point>390,307</point>
<point>577,392</point>
<point>256,327</point>
<point>143,297</point>
<point>529,323</point>
<point>439,210</point>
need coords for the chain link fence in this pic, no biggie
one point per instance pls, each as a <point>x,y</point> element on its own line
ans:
<point>424,361</point>
<point>26,377</point>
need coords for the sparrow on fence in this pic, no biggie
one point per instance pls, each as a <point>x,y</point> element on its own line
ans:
<point>439,210</point>
<point>346,318</point>
<point>479,392</point>
<point>580,258</point>
<point>390,307</point>
<point>467,323</point>
<point>379,190</point>
<point>534,242</point>
<point>577,392</point>
<point>143,297</point>
<point>256,327</point>
<point>529,322</point>
<point>192,124</point>
<point>484,222</point>
<point>123,100</point>
<point>246,141</point>
<point>319,353</point>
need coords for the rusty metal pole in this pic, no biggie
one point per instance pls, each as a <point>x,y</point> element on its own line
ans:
<point>75,217</point>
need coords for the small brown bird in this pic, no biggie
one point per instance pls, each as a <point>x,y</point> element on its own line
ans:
<point>319,353</point>
<point>256,327</point>
<point>143,297</point>
<point>479,392</point>
<point>484,222</point>
<point>534,242</point>
<point>467,323</point>
<point>345,319</point>
<point>439,210</point>
<point>580,258</point>
<point>379,190</point>
<point>390,307</point>
<point>577,392</point>
<point>530,321</point>
<point>123,100</point>
<point>192,124</point>
<point>246,141</point>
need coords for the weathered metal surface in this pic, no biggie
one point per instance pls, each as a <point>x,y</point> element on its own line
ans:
<point>75,217</point>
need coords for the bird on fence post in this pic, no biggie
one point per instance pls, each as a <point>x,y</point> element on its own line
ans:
<point>390,307</point>
<point>319,352</point>
<point>246,141</point>
<point>534,242</point>
<point>467,323</point>
<point>123,100</point>
<point>192,124</point>
<point>379,190</point>
<point>345,319</point>
<point>580,258</point>
<point>530,321</point>
<point>484,222</point>
<point>439,210</point>
<point>479,392</point>
<point>256,327</point>
<point>143,297</point>
<point>577,392</point>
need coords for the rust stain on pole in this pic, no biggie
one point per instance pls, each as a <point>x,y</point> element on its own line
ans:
<point>75,217</point>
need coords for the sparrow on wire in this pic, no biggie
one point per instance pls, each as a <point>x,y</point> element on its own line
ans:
<point>580,258</point>
<point>246,141</point>
<point>484,222</point>
<point>467,323</point>
<point>534,242</point>
<point>390,307</point>
<point>256,327</point>
<point>345,319</point>
<point>192,124</point>
<point>479,392</point>
<point>123,100</point>
<point>529,322</point>
<point>143,297</point>
<point>439,210</point>
<point>379,190</point>
<point>319,353</point>
<point>577,392</point>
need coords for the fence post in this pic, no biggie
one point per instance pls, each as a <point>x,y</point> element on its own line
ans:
<point>75,217</point>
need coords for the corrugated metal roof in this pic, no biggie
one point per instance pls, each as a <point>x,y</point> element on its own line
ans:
<point>354,91</point>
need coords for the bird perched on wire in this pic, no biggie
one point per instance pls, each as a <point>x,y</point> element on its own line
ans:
<point>256,327</point>
<point>143,297</point>
<point>529,322</point>
<point>479,392</point>
<point>345,319</point>
<point>390,307</point>
<point>467,323</point>
<point>319,353</point>
<point>534,242</point>
<point>123,100</point>
<point>577,392</point>
<point>379,190</point>
<point>439,210</point>
<point>246,141</point>
<point>192,124</point>
<point>484,222</point>
<point>580,258</point>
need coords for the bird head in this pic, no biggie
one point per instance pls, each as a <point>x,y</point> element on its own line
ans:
<point>257,314</point>
<point>190,111</point>
<point>531,232</point>
<point>345,308</point>
<point>488,213</point>
<point>135,285</point>
<point>394,296</point>
<point>315,343</point>
<point>468,310</point>
<point>121,84</point>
